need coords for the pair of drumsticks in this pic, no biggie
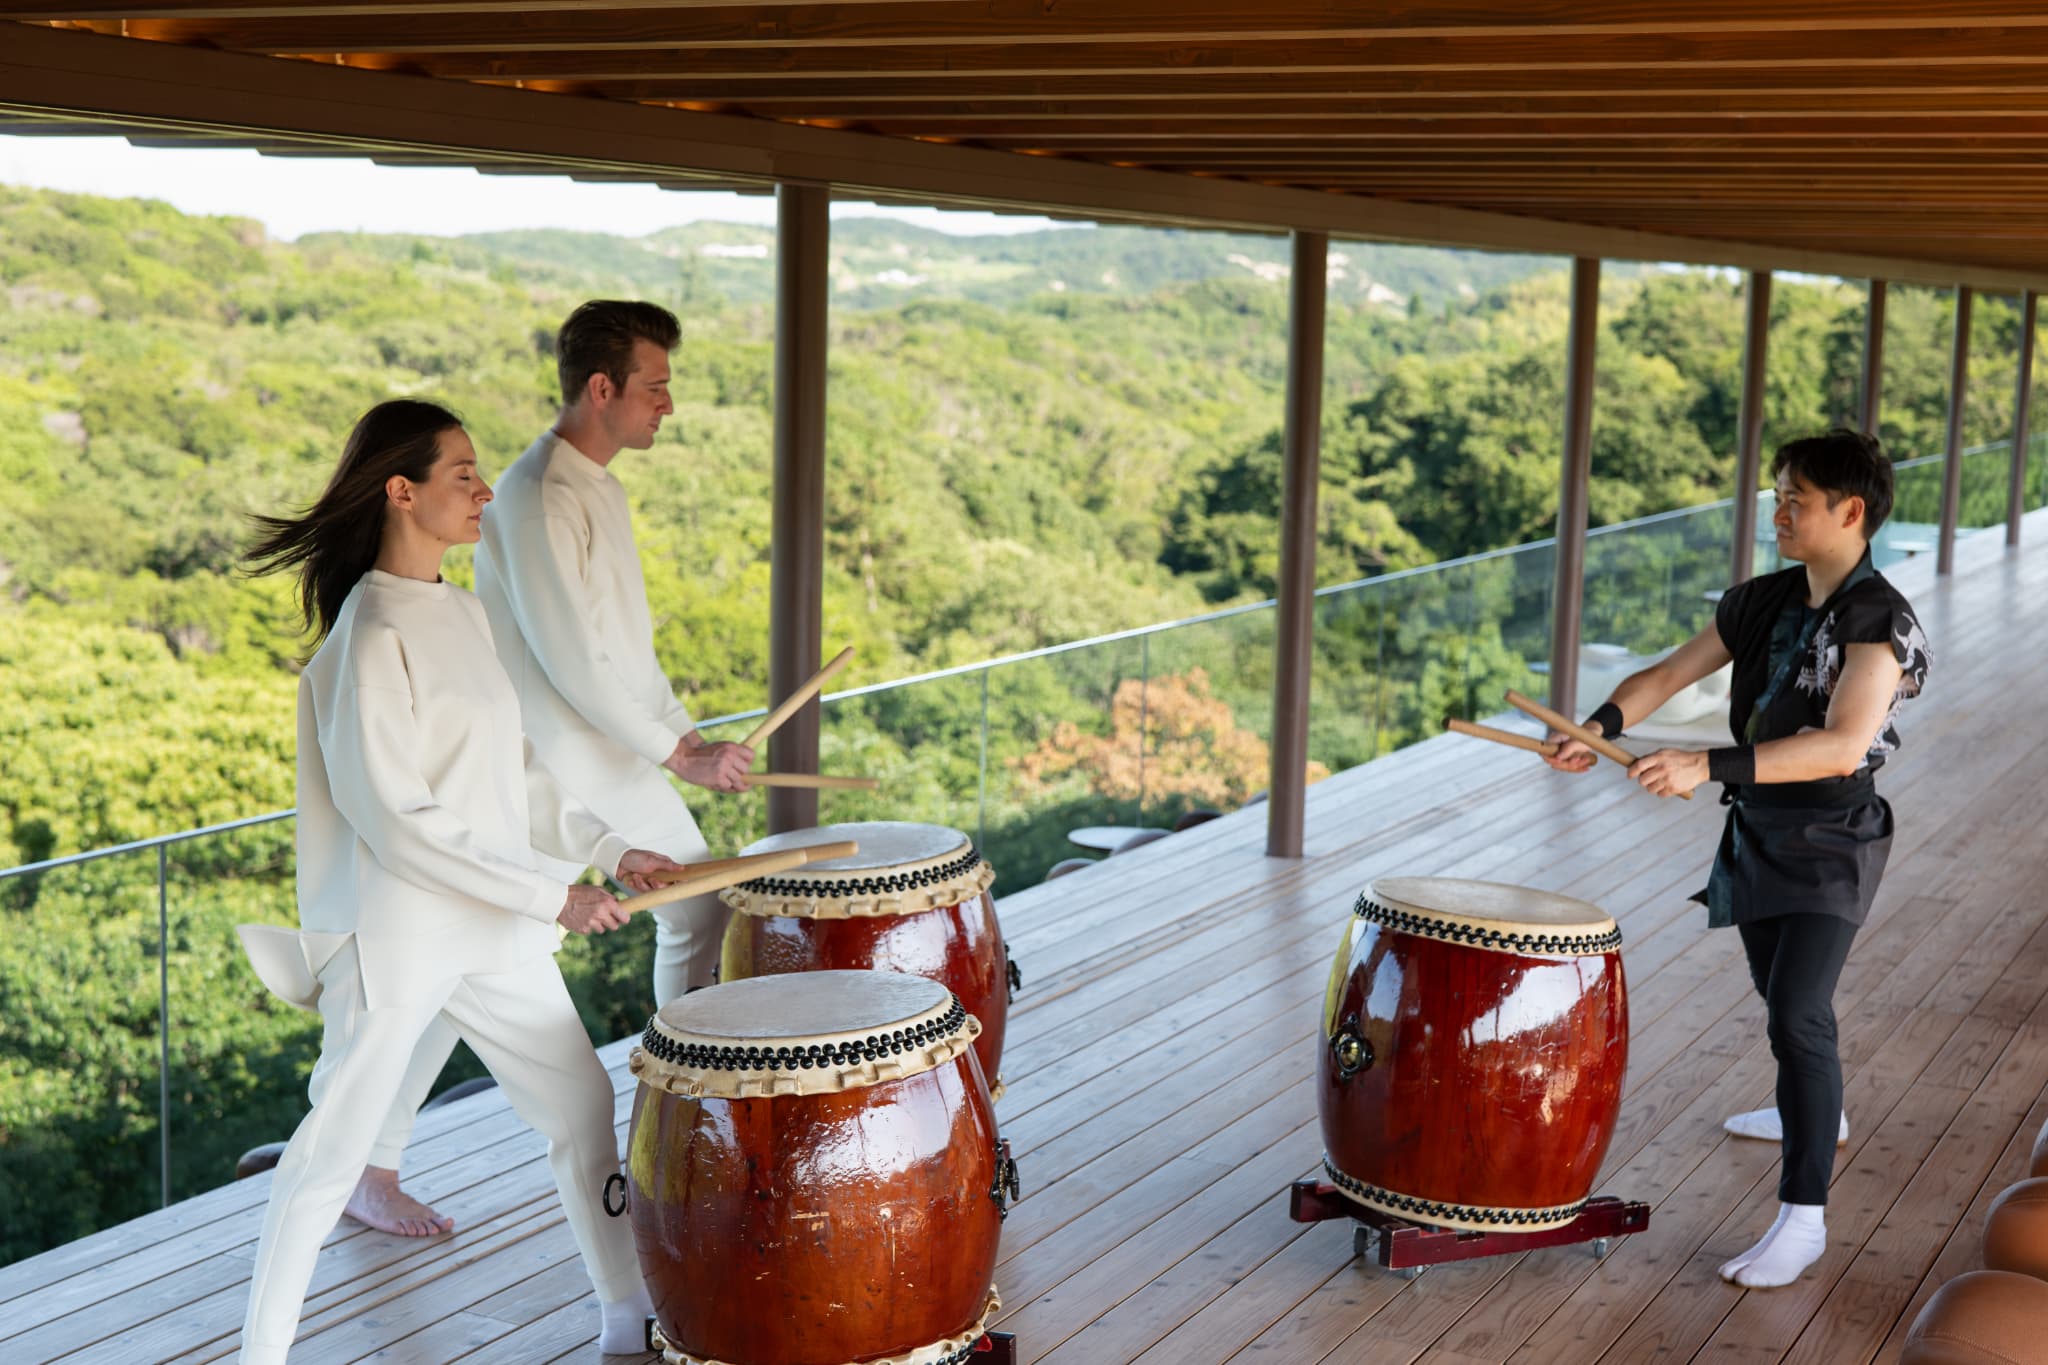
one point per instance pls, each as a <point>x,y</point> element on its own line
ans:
<point>789,706</point>
<point>697,879</point>
<point>1599,744</point>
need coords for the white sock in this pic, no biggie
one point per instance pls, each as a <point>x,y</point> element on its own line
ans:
<point>1728,1268</point>
<point>1765,1124</point>
<point>1795,1242</point>
<point>624,1332</point>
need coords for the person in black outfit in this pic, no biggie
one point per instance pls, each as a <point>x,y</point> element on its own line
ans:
<point>1824,654</point>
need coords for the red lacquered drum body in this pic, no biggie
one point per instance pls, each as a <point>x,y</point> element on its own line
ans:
<point>1475,1039</point>
<point>914,899</point>
<point>842,1211</point>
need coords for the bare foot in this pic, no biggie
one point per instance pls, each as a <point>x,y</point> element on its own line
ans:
<point>379,1203</point>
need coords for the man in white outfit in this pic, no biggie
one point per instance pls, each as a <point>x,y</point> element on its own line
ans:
<point>560,576</point>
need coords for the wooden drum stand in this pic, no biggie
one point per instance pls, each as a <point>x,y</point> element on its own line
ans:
<point>1408,1249</point>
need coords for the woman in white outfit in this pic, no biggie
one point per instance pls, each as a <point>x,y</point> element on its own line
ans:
<point>420,896</point>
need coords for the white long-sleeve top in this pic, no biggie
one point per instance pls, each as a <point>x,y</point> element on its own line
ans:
<point>421,803</point>
<point>559,575</point>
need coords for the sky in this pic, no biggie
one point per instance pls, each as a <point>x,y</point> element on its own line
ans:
<point>291,196</point>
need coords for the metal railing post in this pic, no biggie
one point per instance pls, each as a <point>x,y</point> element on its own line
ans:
<point>981,817</point>
<point>163,1016</point>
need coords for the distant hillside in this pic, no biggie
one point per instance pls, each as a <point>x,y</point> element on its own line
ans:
<point>881,263</point>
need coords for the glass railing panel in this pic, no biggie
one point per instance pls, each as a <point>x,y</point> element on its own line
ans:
<point>1651,585</point>
<point>1915,524</point>
<point>1986,487</point>
<point>1210,715</point>
<point>81,1142</point>
<point>1348,682</point>
<point>239,1056</point>
<point>1064,753</point>
<point>922,741</point>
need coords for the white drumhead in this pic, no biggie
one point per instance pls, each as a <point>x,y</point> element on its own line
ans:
<point>803,1007</point>
<point>883,844</point>
<point>901,868</point>
<point>1494,904</point>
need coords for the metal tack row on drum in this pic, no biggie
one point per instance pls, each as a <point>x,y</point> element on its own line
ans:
<point>1475,1040</point>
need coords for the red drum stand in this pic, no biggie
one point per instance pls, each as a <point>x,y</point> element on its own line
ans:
<point>1410,1248</point>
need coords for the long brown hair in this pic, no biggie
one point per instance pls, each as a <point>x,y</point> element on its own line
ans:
<point>335,541</point>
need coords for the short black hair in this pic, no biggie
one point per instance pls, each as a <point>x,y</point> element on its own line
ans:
<point>598,339</point>
<point>1844,463</point>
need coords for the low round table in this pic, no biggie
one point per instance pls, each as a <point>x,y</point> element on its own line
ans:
<point>1105,838</point>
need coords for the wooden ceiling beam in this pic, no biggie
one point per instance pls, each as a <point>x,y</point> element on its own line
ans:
<point>831,106</point>
<point>650,46</point>
<point>1389,17</point>
<point>1595,159</point>
<point>72,75</point>
<point>1763,129</point>
<point>1482,183</point>
<point>1421,83</point>
<point>1335,109</point>
<point>1290,34</point>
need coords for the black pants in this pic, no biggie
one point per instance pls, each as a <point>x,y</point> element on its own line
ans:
<point>1795,961</point>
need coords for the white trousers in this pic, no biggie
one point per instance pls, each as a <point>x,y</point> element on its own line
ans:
<point>524,1027</point>
<point>687,938</point>
<point>687,934</point>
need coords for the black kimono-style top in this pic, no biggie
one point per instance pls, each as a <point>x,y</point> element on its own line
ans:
<point>1807,847</point>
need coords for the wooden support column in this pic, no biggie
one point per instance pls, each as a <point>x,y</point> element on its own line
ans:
<point>797,561</point>
<point>1749,454</point>
<point>1287,794</point>
<point>2022,411</point>
<point>1952,461</point>
<point>1575,479</point>
<point>1873,357</point>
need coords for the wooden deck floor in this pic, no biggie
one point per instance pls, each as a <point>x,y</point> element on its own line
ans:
<point>1159,1065</point>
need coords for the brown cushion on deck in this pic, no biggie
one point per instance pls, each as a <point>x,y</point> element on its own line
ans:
<point>2016,1230</point>
<point>1983,1317</point>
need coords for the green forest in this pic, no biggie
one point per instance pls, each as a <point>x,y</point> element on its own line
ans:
<point>1032,440</point>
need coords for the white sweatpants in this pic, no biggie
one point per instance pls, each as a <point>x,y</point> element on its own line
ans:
<point>524,1027</point>
<point>687,938</point>
<point>687,934</point>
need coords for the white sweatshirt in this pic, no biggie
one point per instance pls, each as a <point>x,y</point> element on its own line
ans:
<point>559,575</point>
<point>420,802</point>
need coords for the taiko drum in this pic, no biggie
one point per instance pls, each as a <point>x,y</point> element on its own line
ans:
<point>813,1173</point>
<point>1475,1039</point>
<point>915,899</point>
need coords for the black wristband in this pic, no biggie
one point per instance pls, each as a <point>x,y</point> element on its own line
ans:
<point>1733,766</point>
<point>1606,720</point>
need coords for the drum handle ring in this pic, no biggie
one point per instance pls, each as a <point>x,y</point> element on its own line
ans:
<point>1006,1181</point>
<point>614,1179</point>
<point>1016,974</point>
<point>1353,1053</point>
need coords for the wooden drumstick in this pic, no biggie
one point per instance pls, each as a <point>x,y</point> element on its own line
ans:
<point>716,876</point>
<point>814,781</point>
<point>1507,737</point>
<point>796,699</point>
<point>1599,744</point>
